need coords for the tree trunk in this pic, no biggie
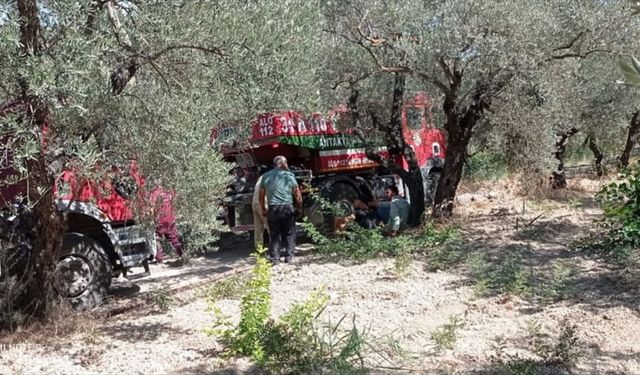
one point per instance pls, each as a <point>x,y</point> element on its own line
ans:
<point>416,193</point>
<point>459,127</point>
<point>29,27</point>
<point>396,145</point>
<point>457,145</point>
<point>598,156</point>
<point>632,138</point>
<point>413,179</point>
<point>36,296</point>
<point>558,178</point>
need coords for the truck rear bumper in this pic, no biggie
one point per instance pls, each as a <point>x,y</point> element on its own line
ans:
<point>137,243</point>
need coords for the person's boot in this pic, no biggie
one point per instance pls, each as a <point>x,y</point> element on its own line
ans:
<point>183,259</point>
<point>160,256</point>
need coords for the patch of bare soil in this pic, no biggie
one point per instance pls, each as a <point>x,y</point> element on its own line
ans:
<point>399,314</point>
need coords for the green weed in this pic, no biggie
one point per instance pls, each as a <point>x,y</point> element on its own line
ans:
<point>160,297</point>
<point>445,337</point>
<point>509,276</point>
<point>484,166</point>
<point>231,287</point>
<point>255,310</point>
<point>440,246</point>
<point>556,354</point>
<point>562,350</point>
<point>560,281</point>
<point>621,208</point>
<point>293,344</point>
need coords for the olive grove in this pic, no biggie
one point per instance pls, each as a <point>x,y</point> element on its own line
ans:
<point>491,63</point>
<point>102,82</point>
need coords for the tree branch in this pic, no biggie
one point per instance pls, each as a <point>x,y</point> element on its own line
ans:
<point>352,81</point>
<point>94,8</point>
<point>29,26</point>
<point>160,73</point>
<point>213,50</point>
<point>571,43</point>
<point>118,29</point>
<point>577,55</point>
<point>445,69</point>
<point>9,106</point>
<point>425,77</point>
<point>374,156</point>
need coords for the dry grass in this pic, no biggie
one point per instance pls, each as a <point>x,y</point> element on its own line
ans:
<point>64,323</point>
<point>534,188</point>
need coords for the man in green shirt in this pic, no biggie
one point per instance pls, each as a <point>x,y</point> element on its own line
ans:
<point>279,189</point>
<point>398,212</point>
<point>394,213</point>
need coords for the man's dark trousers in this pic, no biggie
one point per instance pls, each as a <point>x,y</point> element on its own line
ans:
<point>282,227</point>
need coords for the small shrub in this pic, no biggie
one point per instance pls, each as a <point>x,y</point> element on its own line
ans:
<point>442,247</point>
<point>559,284</point>
<point>555,354</point>
<point>402,264</point>
<point>509,276</point>
<point>519,366</point>
<point>231,287</point>
<point>255,310</point>
<point>445,337</point>
<point>621,208</point>
<point>293,344</point>
<point>313,232</point>
<point>480,272</point>
<point>160,297</point>
<point>486,166</point>
<point>562,350</point>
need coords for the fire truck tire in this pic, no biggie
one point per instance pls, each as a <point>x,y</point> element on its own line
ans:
<point>432,181</point>
<point>83,272</point>
<point>342,195</point>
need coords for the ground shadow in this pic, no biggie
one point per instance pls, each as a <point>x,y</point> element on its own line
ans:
<point>532,253</point>
<point>230,369</point>
<point>136,332</point>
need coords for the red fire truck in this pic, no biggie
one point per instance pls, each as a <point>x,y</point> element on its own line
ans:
<point>104,236</point>
<point>332,162</point>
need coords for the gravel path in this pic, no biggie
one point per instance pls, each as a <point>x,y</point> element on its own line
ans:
<point>146,340</point>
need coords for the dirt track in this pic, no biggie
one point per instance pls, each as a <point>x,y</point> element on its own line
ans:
<point>603,304</point>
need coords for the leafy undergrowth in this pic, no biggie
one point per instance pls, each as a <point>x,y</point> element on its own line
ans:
<point>231,287</point>
<point>514,274</point>
<point>440,245</point>
<point>296,342</point>
<point>553,354</point>
<point>620,240</point>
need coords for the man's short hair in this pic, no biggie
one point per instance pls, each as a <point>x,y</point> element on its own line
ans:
<point>279,161</point>
<point>394,189</point>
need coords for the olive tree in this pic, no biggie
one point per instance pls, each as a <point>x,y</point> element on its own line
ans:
<point>472,54</point>
<point>99,82</point>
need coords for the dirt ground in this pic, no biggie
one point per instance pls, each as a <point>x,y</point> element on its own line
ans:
<point>134,336</point>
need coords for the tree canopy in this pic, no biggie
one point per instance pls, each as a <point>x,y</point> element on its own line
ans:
<point>101,82</point>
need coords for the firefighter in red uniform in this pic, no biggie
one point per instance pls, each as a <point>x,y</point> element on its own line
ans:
<point>162,202</point>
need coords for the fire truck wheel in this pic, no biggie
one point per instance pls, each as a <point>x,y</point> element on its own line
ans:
<point>342,195</point>
<point>83,272</point>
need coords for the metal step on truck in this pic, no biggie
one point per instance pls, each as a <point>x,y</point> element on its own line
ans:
<point>333,163</point>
